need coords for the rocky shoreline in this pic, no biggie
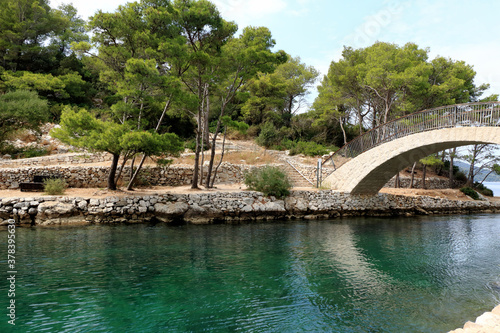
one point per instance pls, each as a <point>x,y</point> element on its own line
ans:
<point>485,323</point>
<point>226,207</point>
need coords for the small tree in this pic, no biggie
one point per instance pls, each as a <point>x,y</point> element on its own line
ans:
<point>429,161</point>
<point>82,129</point>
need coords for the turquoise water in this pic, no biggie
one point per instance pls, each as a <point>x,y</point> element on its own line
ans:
<point>353,275</point>
<point>494,186</point>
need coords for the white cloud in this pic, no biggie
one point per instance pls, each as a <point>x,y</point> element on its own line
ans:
<point>244,11</point>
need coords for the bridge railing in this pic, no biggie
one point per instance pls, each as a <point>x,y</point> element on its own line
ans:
<point>459,115</point>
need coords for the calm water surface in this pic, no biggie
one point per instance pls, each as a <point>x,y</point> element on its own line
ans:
<point>350,275</point>
<point>494,186</point>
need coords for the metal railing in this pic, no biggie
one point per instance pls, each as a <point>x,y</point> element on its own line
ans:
<point>459,115</point>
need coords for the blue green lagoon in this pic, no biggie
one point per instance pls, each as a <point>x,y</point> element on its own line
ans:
<point>415,274</point>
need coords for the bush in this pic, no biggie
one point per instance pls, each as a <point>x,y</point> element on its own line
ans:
<point>269,180</point>
<point>54,186</point>
<point>33,152</point>
<point>23,152</point>
<point>253,131</point>
<point>470,192</point>
<point>164,162</point>
<point>268,136</point>
<point>483,189</point>
<point>309,149</point>
<point>461,177</point>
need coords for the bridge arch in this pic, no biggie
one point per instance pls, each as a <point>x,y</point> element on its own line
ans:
<point>366,164</point>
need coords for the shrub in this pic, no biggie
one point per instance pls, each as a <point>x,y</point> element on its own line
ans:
<point>460,176</point>
<point>269,180</point>
<point>33,152</point>
<point>470,192</point>
<point>253,131</point>
<point>54,186</point>
<point>164,162</point>
<point>268,136</point>
<point>309,149</point>
<point>483,189</point>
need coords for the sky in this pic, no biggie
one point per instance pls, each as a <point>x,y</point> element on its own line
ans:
<point>317,30</point>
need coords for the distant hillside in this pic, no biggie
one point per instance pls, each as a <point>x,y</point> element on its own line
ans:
<point>464,167</point>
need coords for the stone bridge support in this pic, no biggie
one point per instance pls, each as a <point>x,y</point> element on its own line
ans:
<point>367,173</point>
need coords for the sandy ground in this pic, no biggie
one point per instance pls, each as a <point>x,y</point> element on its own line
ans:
<point>102,193</point>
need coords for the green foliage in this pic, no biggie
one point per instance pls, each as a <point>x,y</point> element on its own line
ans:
<point>385,81</point>
<point>309,149</point>
<point>54,186</point>
<point>21,109</point>
<point>240,126</point>
<point>151,143</point>
<point>470,192</point>
<point>276,96</point>
<point>268,136</point>
<point>431,161</point>
<point>27,152</point>
<point>269,180</point>
<point>483,189</point>
<point>164,162</point>
<point>33,152</point>
<point>460,176</point>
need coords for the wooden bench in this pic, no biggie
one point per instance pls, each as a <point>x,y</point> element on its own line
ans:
<point>36,185</point>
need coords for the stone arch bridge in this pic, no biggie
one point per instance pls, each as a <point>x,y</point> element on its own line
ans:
<point>367,163</point>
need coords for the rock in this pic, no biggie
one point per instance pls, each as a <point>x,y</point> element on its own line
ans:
<point>171,209</point>
<point>54,209</point>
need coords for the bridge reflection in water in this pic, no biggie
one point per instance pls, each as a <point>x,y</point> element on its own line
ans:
<point>366,163</point>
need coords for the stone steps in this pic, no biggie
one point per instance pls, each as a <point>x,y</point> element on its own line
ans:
<point>488,322</point>
<point>296,178</point>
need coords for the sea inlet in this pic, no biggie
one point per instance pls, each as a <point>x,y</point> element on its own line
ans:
<point>412,274</point>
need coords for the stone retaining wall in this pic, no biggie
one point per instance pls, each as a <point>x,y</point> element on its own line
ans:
<point>431,183</point>
<point>59,159</point>
<point>96,176</point>
<point>215,207</point>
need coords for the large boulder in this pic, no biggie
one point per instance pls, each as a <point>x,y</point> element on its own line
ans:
<point>170,211</point>
<point>56,212</point>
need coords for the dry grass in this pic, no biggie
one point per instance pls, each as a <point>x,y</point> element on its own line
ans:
<point>248,157</point>
<point>234,157</point>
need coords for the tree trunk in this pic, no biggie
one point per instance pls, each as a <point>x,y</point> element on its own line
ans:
<point>196,170</point>
<point>424,173</point>
<point>134,176</point>
<point>132,162</point>
<point>343,130</point>
<point>212,153</point>
<point>450,170</point>
<point>112,172</point>
<point>470,178</point>
<point>221,157</point>
<point>412,175</point>
<point>158,124</point>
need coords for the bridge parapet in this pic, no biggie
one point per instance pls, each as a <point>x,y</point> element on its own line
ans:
<point>459,115</point>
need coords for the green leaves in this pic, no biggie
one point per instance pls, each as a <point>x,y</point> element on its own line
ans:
<point>269,180</point>
<point>82,129</point>
<point>21,109</point>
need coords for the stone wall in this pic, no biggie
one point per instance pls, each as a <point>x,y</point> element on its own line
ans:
<point>96,176</point>
<point>212,207</point>
<point>431,183</point>
<point>59,159</point>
